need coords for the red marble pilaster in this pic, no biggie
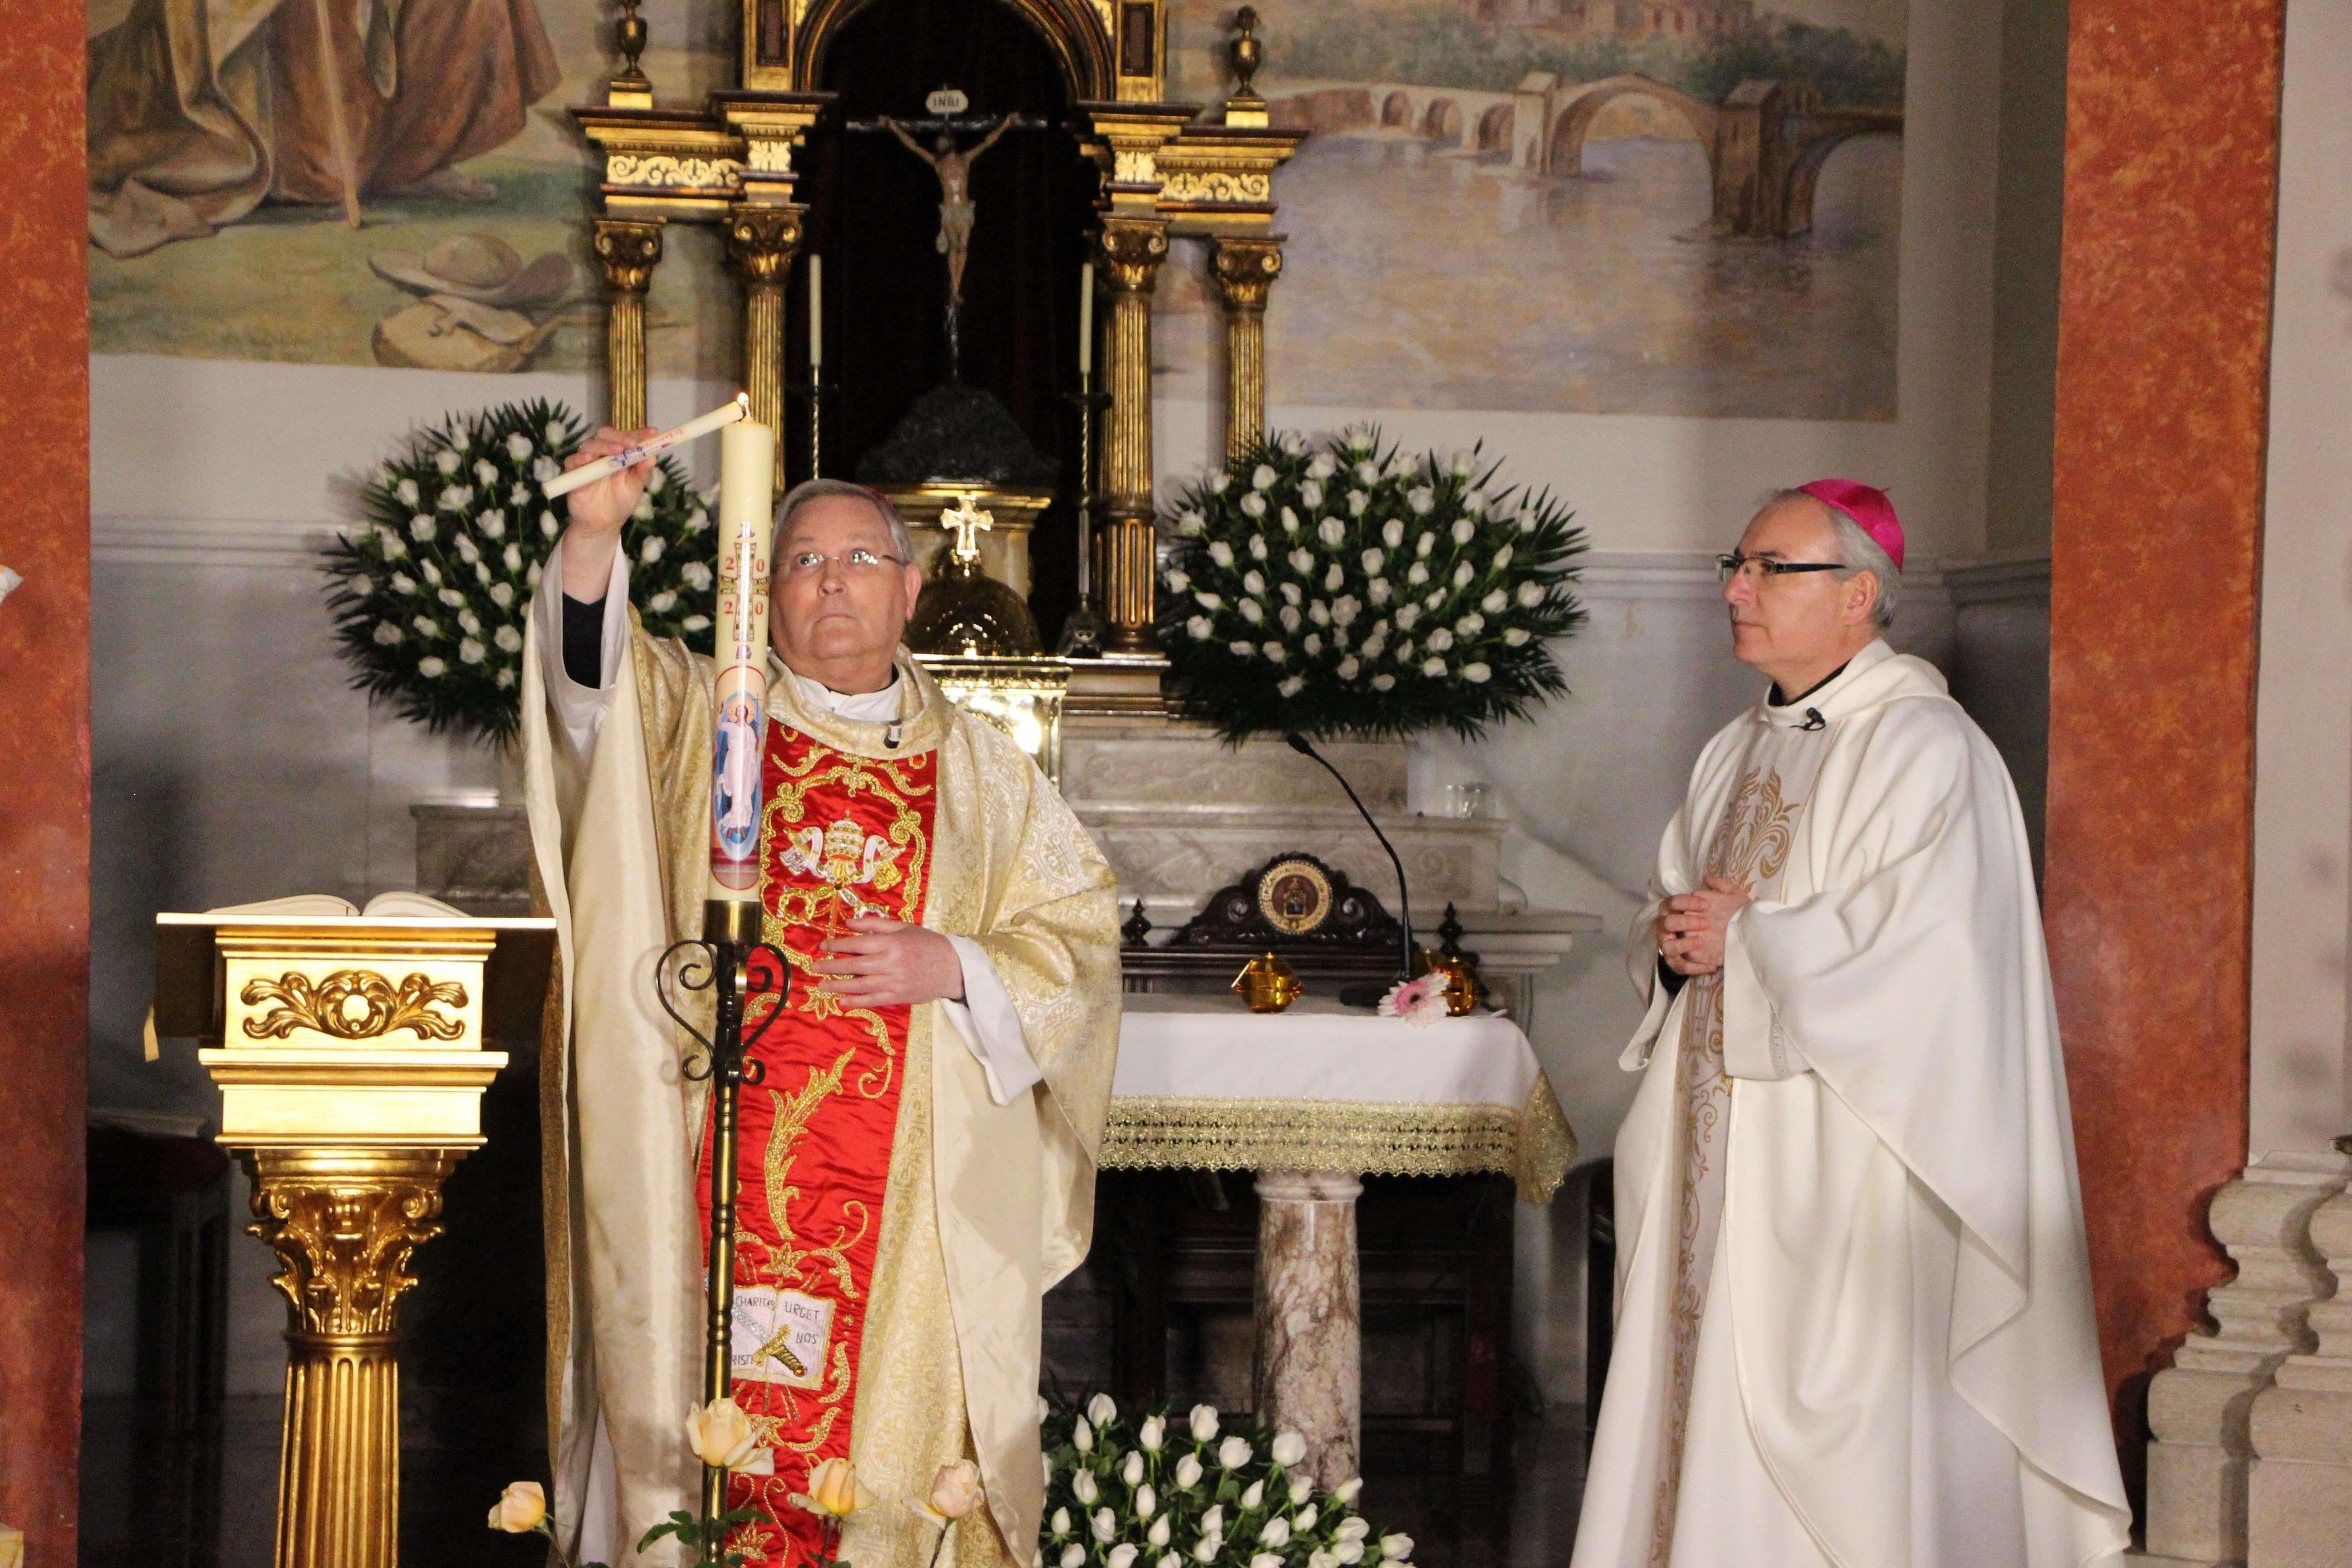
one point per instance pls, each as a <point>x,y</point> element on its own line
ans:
<point>44,774</point>
<point>2163,347</point>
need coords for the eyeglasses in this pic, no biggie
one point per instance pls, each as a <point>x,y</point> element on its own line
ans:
<point>857,563</point>
<point>1727,567</point>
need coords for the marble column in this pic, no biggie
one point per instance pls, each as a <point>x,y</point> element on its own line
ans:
<point>1308,1372</point>
<point>45,756</point>
<point>2152,636</point>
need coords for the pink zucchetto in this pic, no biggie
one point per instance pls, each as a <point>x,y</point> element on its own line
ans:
<point>1870,510</point>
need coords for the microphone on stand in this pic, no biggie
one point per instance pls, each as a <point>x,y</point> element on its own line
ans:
<point>1352,995</point>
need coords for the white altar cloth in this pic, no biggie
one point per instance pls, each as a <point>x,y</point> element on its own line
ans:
<point>1203,1082</point>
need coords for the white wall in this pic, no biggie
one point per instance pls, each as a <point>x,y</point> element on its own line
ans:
<point>2302,1089</point>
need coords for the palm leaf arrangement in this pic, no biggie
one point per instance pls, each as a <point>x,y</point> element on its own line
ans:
<point>429,594</point>
<point>1349,589</point>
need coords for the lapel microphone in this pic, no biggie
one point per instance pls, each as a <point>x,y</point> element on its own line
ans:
<point>1813,720</point>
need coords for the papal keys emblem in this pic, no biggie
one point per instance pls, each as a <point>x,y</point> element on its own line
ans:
<point>845,858</point>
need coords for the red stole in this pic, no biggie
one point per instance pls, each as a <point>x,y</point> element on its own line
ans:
<point>841,835</point>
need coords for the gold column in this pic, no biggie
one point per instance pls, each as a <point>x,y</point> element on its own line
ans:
<point>343,1223</point>
<point>1245,270</point>
<point>628,249</point>
<point>762,241</point>
<point>1132,249</point>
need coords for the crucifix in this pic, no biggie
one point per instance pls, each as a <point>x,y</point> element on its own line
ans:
<point>967,522</point>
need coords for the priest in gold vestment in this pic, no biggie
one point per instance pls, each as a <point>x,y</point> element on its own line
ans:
<point>917,1155</point>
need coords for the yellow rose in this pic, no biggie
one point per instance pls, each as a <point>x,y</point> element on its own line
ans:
<point>956,1490</point>
<point>723,1437</point>
<point>832,1489</point>
<point>520,1507</point>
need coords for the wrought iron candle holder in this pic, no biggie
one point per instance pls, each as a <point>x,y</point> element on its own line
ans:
<point>723,963</point>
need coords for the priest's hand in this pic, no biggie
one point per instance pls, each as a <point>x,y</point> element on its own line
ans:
<point>884,963</point>
<point>597,511</point>
<point>1691,926</point>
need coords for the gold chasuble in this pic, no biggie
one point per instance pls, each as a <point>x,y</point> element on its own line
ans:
<point>896,1226</point>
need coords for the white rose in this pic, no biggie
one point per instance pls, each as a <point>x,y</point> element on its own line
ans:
<point>453,598</point>
<point>506,678</point>
<point>1255,1496</point>
<point>1060,1523</point>
<point>1261,477</point>
<point>1375,644</point>
<point>1331,530</point>
<point>1423,545</point>
<point>462,439</point>
<point>1494,603</point>
<point>1218,481</point>
<point>1289,617</point>
<point>1322,467</point>
<point>508,640</point>
<point>1418,576</point>
<point>1421,498</point>
<point>1344,610</point>
<point>1221,552</point>
<point>1502,559</point>
<point>1440,640</point>
<point>1159,1532</point>
<point>1147,1501</point>
<point>1101,1410</point>
<point>1275,654</point>
<point>1404,651</point>
<point>651,550</point>
<point>1462,576</point>
<point>1265,1560</point>
<point>656,481</point>
<point>1275,1532</point>
<point>431,572</point>
<point>1291,594</point>
<point>1290,441</point>
<point>1289,685</point>
<point>1201,627</point>
<point>1302,561</point>
<point>1188,1469</point>
<point>691,623</point>
<point>1189,523</point>
<point>1211,601</point>
<point>1436,598</point>
<point>1311,493</point>
<point>696,576</point>
<point>1104,1526</point>
<point>548,527</point>
<point>1252,580</point>
<point>519,446</point>
<point>1178,580</point>
<point>1312,645</point>
<point>1473,504</point>
<point>1351,1528</point>
<point>1432,668</point>
<point>1205,1550</point>
<point>446,461</point>
<point>1074,1555</point>
<point>386,634</point>
<point>1082,1437</point>
<point>1204,1423</point>
<point>481,572</point>
<point>1289,520</point>
<point>661,604</point>
<point>1357,501</point>
<point>1213,1523</point>
<point>1250,611</point>
<point>1346,1493</point>
<point>1254,504</point>
<point>1123,1555</point>
<point>420,527</point>
<point>1319,612</point>
<point>1301,1488</point>
<point>401,582</point>
<point>1396,1548</point>
<point>513,556</point>
<point>407,492</point>
<point>1258,547</point>
<point>433,668</point>
<point>1348,667</point>
<point>1368,472</point>
<point>1383,682</point>
<point>1476,673</point>
<point>1531,595</point>
<point>1373,560</point>
<point>1470,626</point>
<point>493,523</point>
<point>1464,531</point>
<point>1516,637</point>
<point>486,471</point>
<point>1333,578</point>
<point>1393,533</point>
<point>1347,1553</point>
<point>1131,1469</point>
<point>1232,1454</point>
<point>1378,591</point>
<point>1243,649</point>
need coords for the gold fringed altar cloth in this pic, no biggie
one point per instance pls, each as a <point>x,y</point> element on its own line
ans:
<point>1205,1084</point>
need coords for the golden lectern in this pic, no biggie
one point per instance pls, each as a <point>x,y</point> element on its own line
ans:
<point>350,1054</point>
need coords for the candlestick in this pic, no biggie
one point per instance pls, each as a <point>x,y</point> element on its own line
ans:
<point>816,316</point>
<point>747,477</point>
<point>1085,320</point>
<point>693,429</point>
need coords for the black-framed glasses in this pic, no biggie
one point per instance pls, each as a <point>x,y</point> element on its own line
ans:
<point>853,562</point>
<point>1727,567</point>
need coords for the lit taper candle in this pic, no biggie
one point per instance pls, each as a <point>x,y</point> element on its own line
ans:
<point>747,475</point>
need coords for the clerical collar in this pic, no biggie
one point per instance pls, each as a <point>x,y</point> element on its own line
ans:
<point>883,706</point>
<point>1773,698</point>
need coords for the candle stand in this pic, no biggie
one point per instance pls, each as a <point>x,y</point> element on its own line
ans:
<point>725,964</point>
<point>1084,630</point>
<point>816,393</point>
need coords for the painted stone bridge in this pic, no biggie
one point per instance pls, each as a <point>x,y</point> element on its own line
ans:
<point>1765,142</point>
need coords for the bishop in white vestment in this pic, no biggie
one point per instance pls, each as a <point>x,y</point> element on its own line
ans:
<point>1853,1306</point>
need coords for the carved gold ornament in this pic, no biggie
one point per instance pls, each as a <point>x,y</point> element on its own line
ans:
<point>664,170</point>
<point>1295,896</point>
<point>1224,187</point>
<point>352,1004</point>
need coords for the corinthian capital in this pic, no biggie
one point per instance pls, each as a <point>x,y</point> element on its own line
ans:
<point>762,240</point>
<point>1246,269</point>
<point>628,249</point>
<point>1132,250</point>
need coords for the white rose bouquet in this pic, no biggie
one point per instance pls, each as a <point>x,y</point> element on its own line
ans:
<point>429,594</point>
<point>1187,1490</point>
<point>1350,590</point>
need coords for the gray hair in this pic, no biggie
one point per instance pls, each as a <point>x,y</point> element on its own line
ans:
<point>902,542</point>
<point>1861,553</point>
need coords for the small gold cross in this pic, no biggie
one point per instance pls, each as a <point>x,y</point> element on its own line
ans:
<point>968,520</point>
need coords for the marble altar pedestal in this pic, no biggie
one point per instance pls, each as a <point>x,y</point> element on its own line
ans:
<point>1306,1371</point>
